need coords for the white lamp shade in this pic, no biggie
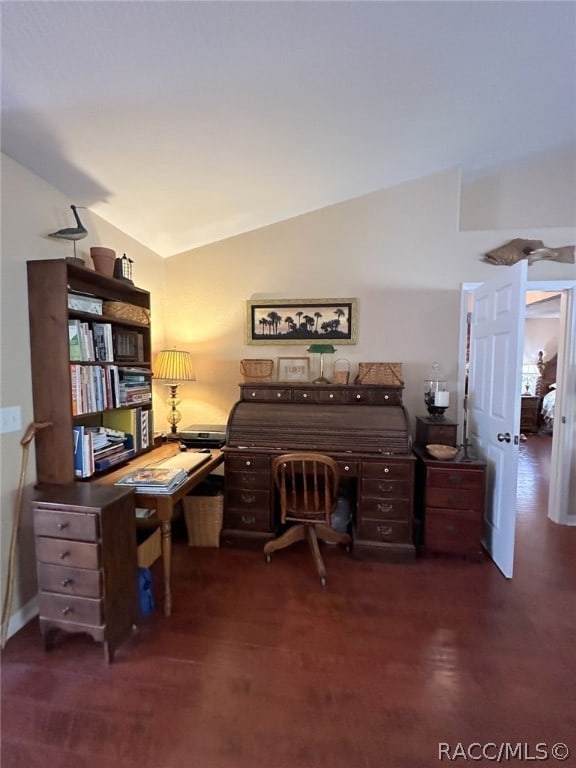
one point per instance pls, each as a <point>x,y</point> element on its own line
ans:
<point>174,365</point>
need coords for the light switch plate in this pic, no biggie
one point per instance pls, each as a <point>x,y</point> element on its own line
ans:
<point>10,419</point>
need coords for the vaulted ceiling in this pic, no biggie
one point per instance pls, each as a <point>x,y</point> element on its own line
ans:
<point>183,123</point>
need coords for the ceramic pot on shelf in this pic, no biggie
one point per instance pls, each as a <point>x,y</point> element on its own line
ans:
<point>104,259</point>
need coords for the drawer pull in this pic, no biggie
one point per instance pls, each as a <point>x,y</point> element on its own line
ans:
<point>305,396</point>
<point>61,526</point>
<point>248,498</point>
<point>248,463</point>
<point>66,610</point>
<point>386,397</point>
<point>67,582</point>
<point>331,396</point>
<point>278,394</point>
<point>384,508</point>
<point>385,488</point>
<point>384,530</point>
<point>358,397</point>
<point>386,470</point>
<point>252,394</point>
<point>248,519</point>
<point>346,468</point>
<point>64,555</point>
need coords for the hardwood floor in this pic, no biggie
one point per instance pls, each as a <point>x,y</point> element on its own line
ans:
<point>259,667</point>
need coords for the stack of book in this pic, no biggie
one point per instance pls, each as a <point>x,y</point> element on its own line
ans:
<point>153,480</point>
<point>97,449</point>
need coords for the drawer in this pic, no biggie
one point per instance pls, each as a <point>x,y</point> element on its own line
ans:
<point>391,470</point>
<point>454,498</point>
<point>247,520</point>
<point>77,554</point>
<point>80,610</point>
<point>70,581</point>
<point>455,478</point>
<point>383,488</point>
<point>348,468</point>
<point>395,531</point>
<point>376,395</point>
<point>332,396</point>
<point>66,525</point>
<point>246,463</point>
<point>248,481</point>
<point>446,531</point>
<point>247,499</point>
<point>382,509</point>
<point>269,394</point>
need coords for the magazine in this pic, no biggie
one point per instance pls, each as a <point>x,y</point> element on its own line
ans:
<point>154,478</point>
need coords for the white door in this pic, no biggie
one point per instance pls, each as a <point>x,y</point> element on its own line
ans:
<point>496,344</point>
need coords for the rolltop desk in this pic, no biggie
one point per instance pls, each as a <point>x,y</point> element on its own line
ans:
<point>365,428</point>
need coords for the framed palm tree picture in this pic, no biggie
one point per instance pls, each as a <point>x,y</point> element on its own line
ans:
<point>301,321</point>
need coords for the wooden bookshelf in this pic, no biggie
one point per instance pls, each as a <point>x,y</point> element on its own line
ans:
<point>49,283</point>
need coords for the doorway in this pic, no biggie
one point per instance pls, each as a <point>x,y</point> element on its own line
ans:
<point>562,471</point>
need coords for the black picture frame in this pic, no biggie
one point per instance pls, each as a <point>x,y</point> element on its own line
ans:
<point>301,321</point>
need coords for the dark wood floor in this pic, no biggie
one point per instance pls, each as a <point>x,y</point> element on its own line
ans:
<point>259,667</point>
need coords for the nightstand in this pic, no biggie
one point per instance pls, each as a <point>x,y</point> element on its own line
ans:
<point>450,504</point>
<point>529,413</point>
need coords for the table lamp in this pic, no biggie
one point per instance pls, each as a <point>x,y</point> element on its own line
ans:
<point>175,366</point>
<point>321,349</point>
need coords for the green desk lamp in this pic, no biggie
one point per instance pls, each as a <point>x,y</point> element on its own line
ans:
<point>321,349</point>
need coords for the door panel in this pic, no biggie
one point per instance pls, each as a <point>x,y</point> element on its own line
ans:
<point>497,338</point>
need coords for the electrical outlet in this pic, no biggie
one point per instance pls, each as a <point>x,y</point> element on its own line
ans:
<point>10,419</point>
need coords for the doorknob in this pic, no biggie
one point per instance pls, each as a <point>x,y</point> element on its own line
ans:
<point>504,437</point>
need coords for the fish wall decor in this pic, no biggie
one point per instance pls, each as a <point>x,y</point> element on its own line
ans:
<point>532,250</point>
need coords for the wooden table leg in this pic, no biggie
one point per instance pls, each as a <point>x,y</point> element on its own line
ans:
<point>166,564</point>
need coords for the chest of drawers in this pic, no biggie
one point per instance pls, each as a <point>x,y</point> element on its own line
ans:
<point>87,569</point>
<point>450,502</point>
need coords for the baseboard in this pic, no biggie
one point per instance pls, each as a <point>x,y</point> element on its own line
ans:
<point>22,616</point>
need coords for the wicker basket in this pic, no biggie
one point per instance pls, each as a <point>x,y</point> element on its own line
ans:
<point>341,373</point>
<point>124,311</point>
<point>380,373</point>
<point>150,549</point>
<point>256,370</point>
<point>203,515</point>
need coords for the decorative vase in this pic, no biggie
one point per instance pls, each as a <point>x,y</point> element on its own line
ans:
<point>104,259</point>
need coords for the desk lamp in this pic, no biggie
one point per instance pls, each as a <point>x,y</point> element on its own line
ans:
<point>175,366</point>
<point>321,349</point>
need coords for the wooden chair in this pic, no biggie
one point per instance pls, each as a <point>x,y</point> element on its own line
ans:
<point>308,487</point>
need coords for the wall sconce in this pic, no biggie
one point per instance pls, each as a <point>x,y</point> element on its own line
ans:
<point>321,349</point>
<point>175,366</point>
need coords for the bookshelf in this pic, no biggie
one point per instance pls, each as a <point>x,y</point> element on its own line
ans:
<point>103,380</point>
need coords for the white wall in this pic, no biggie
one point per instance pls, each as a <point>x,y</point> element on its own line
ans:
<point>30,210</point>
<point>540,193</point>
<point>398,251</point>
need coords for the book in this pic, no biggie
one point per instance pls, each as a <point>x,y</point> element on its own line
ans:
<point>74,339</point>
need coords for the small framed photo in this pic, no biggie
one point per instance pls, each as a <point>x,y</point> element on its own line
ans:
<point>293,369</point>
